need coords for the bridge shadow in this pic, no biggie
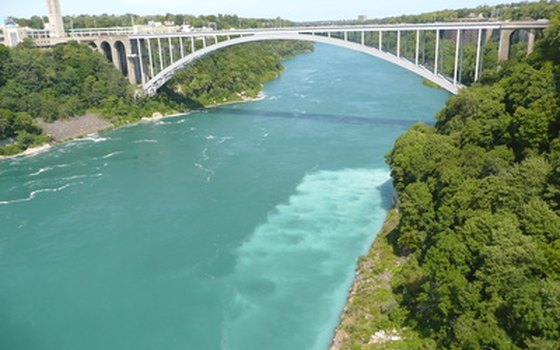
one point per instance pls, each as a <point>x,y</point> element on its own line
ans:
<point>180,99</point>
<point>333,118</point>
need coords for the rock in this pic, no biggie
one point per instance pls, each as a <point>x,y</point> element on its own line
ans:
<point>339,338</point>
<point>64,129</point>
<point>383,336</point>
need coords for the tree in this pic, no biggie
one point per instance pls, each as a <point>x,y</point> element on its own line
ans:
<point>548,49</point>
<point>417,216</point>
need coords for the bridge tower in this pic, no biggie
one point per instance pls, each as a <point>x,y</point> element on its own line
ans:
<point>56,25</point>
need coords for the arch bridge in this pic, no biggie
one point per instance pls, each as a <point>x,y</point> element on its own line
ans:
<point>450,55</point>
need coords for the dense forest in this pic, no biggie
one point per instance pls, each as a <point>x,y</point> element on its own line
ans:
<point>236,73</point>
<point>515,11</point>
<point>479,202</point>
<point>71,79</point>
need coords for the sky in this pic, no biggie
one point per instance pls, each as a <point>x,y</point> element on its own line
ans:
<point>297,10</point>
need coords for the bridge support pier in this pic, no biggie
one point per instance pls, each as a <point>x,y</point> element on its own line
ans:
<point>182,47</point>
<point>417,49</point>
<point>457,49</point>
<point>115,56</point>
<point>398,43</point>
<point>478,49</point>
<point>531,42</point>
<point>140,62</point>
<point>505,43</point>
<point>133,74</point>
<point>436,59</point>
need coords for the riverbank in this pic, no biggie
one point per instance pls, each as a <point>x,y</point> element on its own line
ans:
<point>71,128</point>
<point>236,74</point>
<point>371,318</point>
<point>67,130</point>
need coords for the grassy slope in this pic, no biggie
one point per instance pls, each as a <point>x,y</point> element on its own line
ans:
<point>372,306</point>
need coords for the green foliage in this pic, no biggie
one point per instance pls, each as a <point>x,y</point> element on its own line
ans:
<point>104,21</point>
<point>479,196</point>
<point>4,59</point>
<point>22,129</point>
<point>517,11</point>
<point>71,79</point>
<point>61,82</point>
<point>233,74</point>
<point>417,216</point>
<point>548,49</point>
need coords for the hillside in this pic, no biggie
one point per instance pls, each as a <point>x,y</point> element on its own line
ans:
<point>478,237</point>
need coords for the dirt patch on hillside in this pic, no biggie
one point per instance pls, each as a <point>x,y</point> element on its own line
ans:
<point>61,130</point>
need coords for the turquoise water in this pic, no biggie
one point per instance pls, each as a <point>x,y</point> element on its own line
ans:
<point>233,228</point>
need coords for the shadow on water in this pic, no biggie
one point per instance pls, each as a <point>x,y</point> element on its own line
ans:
<point>386,190</point>
<point>343,119</point>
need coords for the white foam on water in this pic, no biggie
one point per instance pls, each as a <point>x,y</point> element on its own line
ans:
<point>110,154</point>
<point>33,194</point>
<point>265,132</point>
<point>45,169</point>
<point>224,139</point>
<point>74,177</point>
<point>220,139</point>
<point>297,267</point>
<point>161,122</point>
<point>205,154</point>
<point>145,141</point>
<point>209,172</point>
<point>92,138</point>
<point>40,171</point>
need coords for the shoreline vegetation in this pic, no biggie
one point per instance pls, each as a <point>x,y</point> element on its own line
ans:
<point>75,134</point>
<point>69,91</point>
<point>471,259</point>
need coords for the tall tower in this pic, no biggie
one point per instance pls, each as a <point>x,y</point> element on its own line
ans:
<point>56,25</point>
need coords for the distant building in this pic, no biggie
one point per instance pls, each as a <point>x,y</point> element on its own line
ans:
<point>11,33</point>
<point>362,18</point>
<point>187,27</point>
<point>155,27</point>
<point>8,22</point>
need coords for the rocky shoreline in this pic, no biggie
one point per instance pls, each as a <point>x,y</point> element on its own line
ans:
<point>66,129</point>
<point>364,323</point>
<point>74,128</point>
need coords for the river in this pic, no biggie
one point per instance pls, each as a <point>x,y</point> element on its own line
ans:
<point>237,227</point>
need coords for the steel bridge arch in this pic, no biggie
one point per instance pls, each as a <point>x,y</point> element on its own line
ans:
<point>151,86</point>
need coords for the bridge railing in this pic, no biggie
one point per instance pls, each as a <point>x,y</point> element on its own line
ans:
<point>87,32</point>
<point>443,26</point>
